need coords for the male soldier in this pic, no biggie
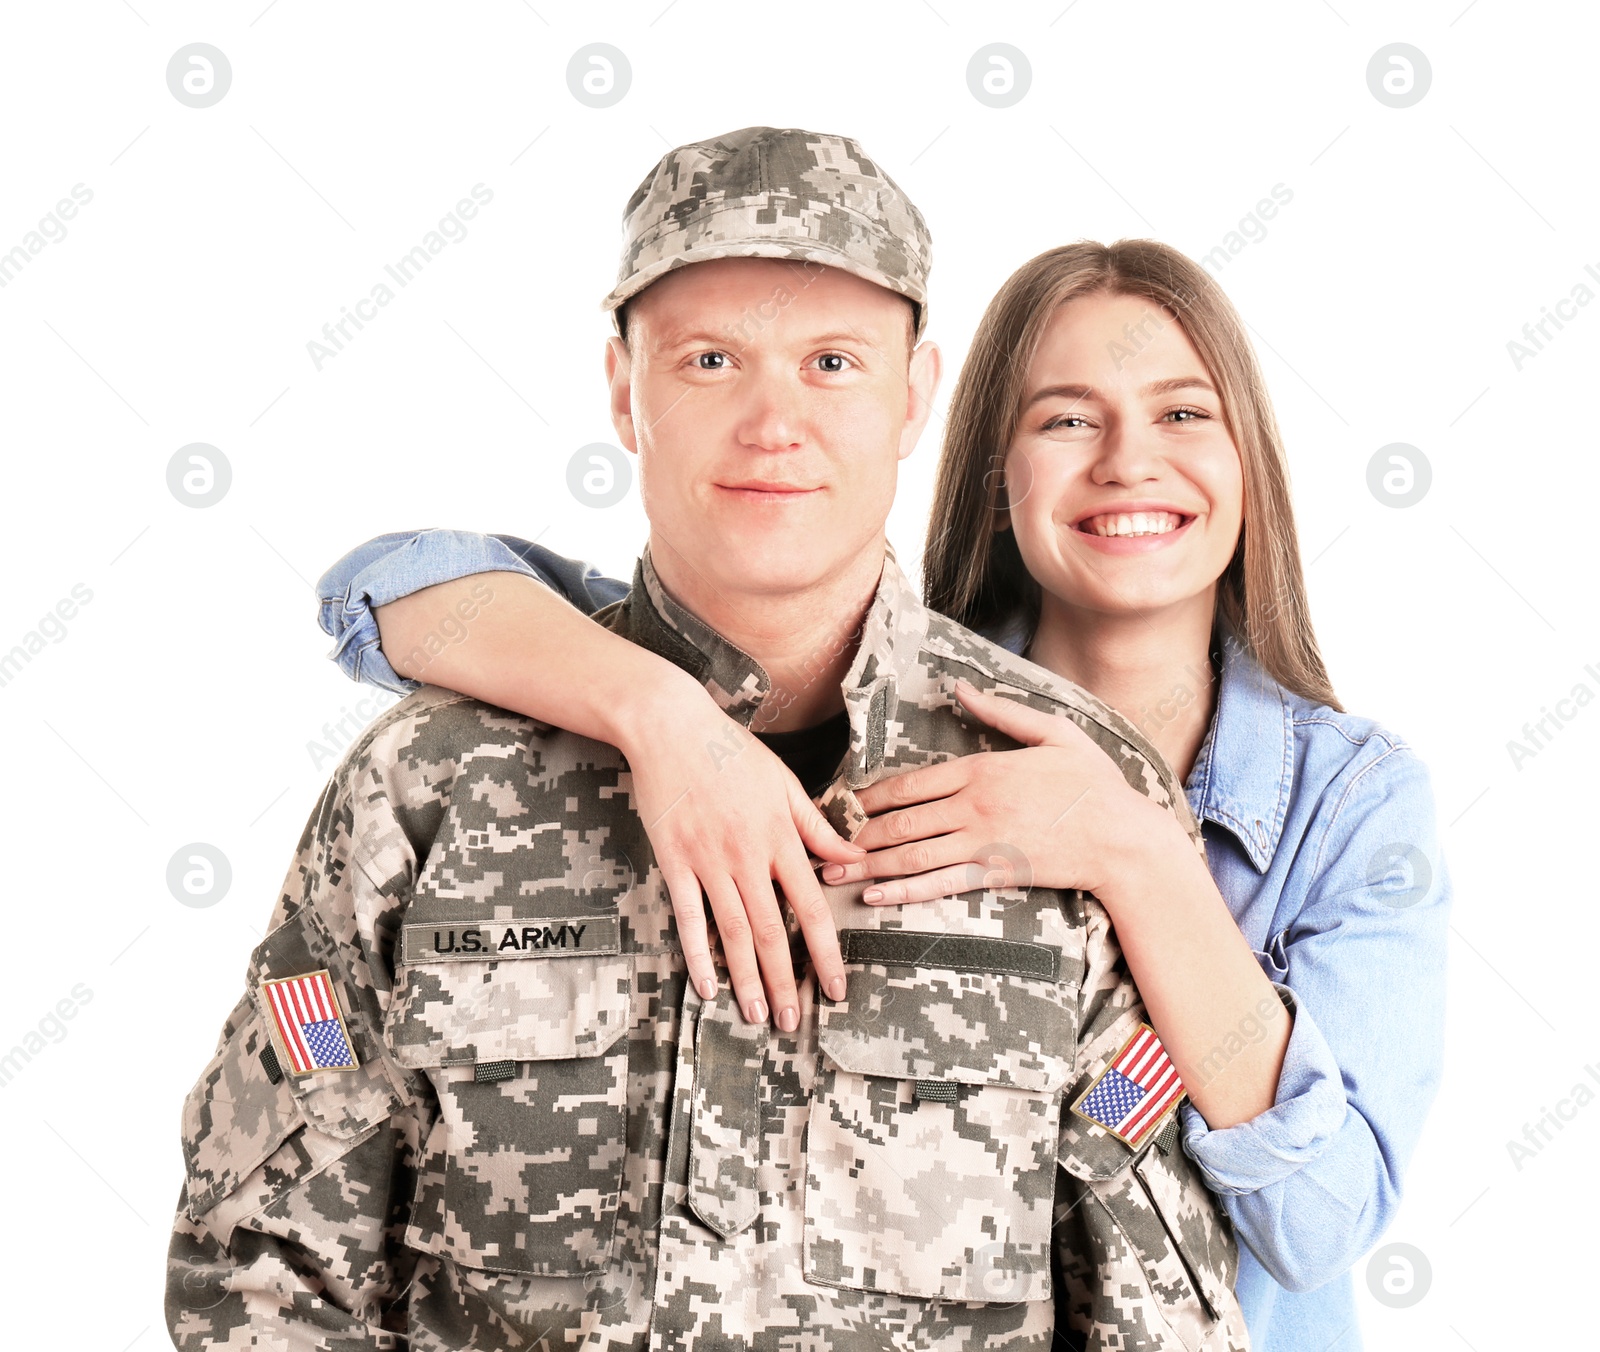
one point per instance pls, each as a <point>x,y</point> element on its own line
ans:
<point>470,1099</point>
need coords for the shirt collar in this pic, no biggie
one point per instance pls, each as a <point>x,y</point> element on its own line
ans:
<point>1244,772</point>
<point>891,635</point>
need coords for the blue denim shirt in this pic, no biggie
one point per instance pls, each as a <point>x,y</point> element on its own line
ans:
<point>1320,834</point>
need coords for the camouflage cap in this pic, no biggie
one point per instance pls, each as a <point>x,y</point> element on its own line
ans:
<point>768,192</point>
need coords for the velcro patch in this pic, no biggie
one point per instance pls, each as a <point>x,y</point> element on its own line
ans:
<point>269,1063</point>
<point>960,952</point>
<point>496,941</point>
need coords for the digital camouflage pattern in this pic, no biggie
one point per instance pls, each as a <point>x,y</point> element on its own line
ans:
<point>765,192</point>
<point>561,1144</point>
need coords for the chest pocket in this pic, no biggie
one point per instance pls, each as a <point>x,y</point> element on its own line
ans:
<point>527,1053</point>
<point>931,1151</point>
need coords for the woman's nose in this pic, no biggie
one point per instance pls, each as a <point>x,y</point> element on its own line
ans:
<point>1127,454</point>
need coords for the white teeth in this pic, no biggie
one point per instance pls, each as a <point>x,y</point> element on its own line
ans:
<point>1132,523</point>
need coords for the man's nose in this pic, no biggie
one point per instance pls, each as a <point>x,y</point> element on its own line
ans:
<point>774,416</point>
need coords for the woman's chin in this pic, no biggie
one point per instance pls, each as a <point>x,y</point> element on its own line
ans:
<point>1094,587</point>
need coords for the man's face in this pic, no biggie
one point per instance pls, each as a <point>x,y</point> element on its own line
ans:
<point>770,403</point>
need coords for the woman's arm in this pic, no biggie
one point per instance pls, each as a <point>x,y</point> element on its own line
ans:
<point>388,567</point>
<point>730,826</point>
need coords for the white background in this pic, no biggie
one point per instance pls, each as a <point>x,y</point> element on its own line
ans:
<point>180,705</point>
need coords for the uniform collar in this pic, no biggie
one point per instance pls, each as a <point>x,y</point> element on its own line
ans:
<point>1244,772</point>
<point>891,635</point>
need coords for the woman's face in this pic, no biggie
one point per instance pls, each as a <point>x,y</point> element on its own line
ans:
<point>1125,488</point>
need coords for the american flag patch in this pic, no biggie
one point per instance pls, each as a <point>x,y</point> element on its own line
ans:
<point>1130,1097</point>
<point>309,1024</point>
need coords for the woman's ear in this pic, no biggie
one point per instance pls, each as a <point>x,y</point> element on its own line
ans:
<point>1002,512</point>
<point>1012,476</point>
<point>1000,508</point>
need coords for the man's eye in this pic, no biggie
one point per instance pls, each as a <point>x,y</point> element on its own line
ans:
<point>711,361</point>
<point>832,363</point>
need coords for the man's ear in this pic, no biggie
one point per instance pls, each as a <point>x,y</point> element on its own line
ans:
<point>922,383</point>
<point>619,376</point>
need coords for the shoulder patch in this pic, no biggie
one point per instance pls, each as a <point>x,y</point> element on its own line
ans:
<point>308,1024</point>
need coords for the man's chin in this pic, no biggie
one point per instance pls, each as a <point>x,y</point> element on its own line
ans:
<point>771,569</point>
<point>761,560</point>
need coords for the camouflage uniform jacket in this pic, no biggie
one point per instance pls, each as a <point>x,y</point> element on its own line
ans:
<point>552,1140</point>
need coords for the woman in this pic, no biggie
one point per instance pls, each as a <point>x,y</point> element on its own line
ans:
<point>1112,501</point>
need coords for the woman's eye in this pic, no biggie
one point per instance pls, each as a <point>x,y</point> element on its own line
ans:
<point>1064,420</point>
<point>711,361</point>
<point>1185,414</point>
<point>832,363</point>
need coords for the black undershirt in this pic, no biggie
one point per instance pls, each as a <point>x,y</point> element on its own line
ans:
<point>812,754</point>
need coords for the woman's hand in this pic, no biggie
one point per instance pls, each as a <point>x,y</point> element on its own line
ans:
<point>726,815</point>
<point>1054,813</point>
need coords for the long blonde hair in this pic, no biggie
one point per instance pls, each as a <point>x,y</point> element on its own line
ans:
<point>976,575</point>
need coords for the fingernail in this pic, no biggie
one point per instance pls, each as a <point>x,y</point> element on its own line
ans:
<point>788,1019</point>
<point>872,894</point>
<point>756,1011</point>
<point>708,988</point>
<point>836,988</point>
<point>832,872</point>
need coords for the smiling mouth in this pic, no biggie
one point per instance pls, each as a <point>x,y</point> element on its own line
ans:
<point>1110,525</point>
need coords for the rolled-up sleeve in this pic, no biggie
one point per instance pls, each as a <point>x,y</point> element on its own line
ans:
<point>1312,1182</point>
<point>388,567</point>
<point>1308,1112</point>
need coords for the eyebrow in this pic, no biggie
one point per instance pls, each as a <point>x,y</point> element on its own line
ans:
<point>732,338</point>
<point>1081,392</point>
<point>842,336</point>
<point>692,337</point>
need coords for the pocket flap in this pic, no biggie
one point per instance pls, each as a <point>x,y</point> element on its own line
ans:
<point>537,978</point>
<point>952,1007</point>
<point>235,1116</point>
